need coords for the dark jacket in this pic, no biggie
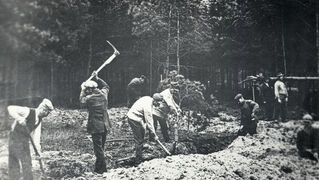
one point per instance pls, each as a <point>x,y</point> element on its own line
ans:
<point>136,87</point>
<point>97,103</point>
<point>267,93</point>
<point>308,141</point>
<point>248,111</point>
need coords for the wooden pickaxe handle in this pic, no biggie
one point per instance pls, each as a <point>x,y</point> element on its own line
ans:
<point>108,61</point>
<point>36,151</point>
<point>163,147</point>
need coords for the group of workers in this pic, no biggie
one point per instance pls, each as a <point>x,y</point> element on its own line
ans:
<point>273,101</point>
<point>144,113</point>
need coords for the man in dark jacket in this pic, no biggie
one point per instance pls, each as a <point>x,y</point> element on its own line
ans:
<point>267,98</point>
<point>94,95</point>
<point>26,120</point>
<point>308,140</point>
<point>136,89</point>
<point>248,119</point>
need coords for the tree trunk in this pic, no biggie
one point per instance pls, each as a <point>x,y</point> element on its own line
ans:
<point>30,86</point>
<point>283,41</point>
<point>5,88</point>
<point>317,35</point>
<point>16,77</point>
<point>151,68</point>
<point>52,80</point>
<point>88,70</point>
<point>178,41</point>
<point>166,70</point>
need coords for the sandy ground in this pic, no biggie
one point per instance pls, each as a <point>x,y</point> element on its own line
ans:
<point>270,154</point>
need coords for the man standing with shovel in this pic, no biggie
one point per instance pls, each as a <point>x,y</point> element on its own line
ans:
<point>26,120</point>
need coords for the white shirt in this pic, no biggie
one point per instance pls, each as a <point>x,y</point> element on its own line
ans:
<point>141,111</point>
<point>19,114</point>
<point>280,88</point>
<point>168,98</point>
<point>162,110</point>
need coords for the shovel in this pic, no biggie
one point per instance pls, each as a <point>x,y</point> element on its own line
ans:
<point>163,147</point>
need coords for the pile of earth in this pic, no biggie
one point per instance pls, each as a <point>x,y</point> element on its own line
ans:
<point>120,145</point>
<point>270,154</point>
<point>214,152</point>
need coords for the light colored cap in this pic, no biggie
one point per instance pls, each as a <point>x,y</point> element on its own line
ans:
<point>238,96</point>
<point>90,84</point>
<point>47,104</point>
<point>157,97</point>
<point>280,74</point>
<point>174,83</point>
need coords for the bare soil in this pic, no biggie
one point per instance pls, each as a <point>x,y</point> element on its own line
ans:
<point>214,153</point>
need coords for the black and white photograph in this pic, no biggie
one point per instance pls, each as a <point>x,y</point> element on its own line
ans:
<point>159,89</point>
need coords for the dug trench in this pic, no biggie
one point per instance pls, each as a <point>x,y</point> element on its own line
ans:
<point>68,164</point>
<point>214,153</point>
<point>188,143</point>
<point>68,150</point>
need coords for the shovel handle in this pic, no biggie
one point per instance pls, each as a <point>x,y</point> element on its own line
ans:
<point>163,147</point>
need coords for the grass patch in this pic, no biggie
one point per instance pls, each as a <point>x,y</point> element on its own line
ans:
<point>68,139</point>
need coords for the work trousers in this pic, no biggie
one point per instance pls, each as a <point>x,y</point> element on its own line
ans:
<point>138,133</point>
<point>19,151</point>
<point>98,147</point>
<point>248,127</point>
<point>164,127</point>
<point>268,109</point>
<point>281,108</point>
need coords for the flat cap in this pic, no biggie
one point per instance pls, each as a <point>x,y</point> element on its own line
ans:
<point>238,96</point>
<point>157,97</point>
<point>90,84</point>
<point>47,104</point>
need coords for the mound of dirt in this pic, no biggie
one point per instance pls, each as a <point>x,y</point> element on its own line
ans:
<point>270,154</point>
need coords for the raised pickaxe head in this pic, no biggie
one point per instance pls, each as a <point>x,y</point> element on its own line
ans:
<point>116,52</point>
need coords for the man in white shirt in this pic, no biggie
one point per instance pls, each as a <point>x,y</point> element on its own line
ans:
<point>161,113</point>
<point>281,97</point>
<point>26,120</point>
<point>140,118</point>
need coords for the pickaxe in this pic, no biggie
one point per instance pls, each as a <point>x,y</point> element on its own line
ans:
<point>108,61</point>
<point>36,152</point>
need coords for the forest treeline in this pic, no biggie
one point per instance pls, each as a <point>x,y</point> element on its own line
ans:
<point>48,48</point>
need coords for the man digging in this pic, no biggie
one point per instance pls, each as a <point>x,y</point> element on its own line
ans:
<point>160,113</point>
<point>94,95</point>
<point>26,120</point>
<point>248,119</point>
<point>140,117</point>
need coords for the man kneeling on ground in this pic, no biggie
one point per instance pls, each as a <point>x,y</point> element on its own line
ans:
<point>308,140</point>
<point>140,117</point>
<point>248,119</point>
